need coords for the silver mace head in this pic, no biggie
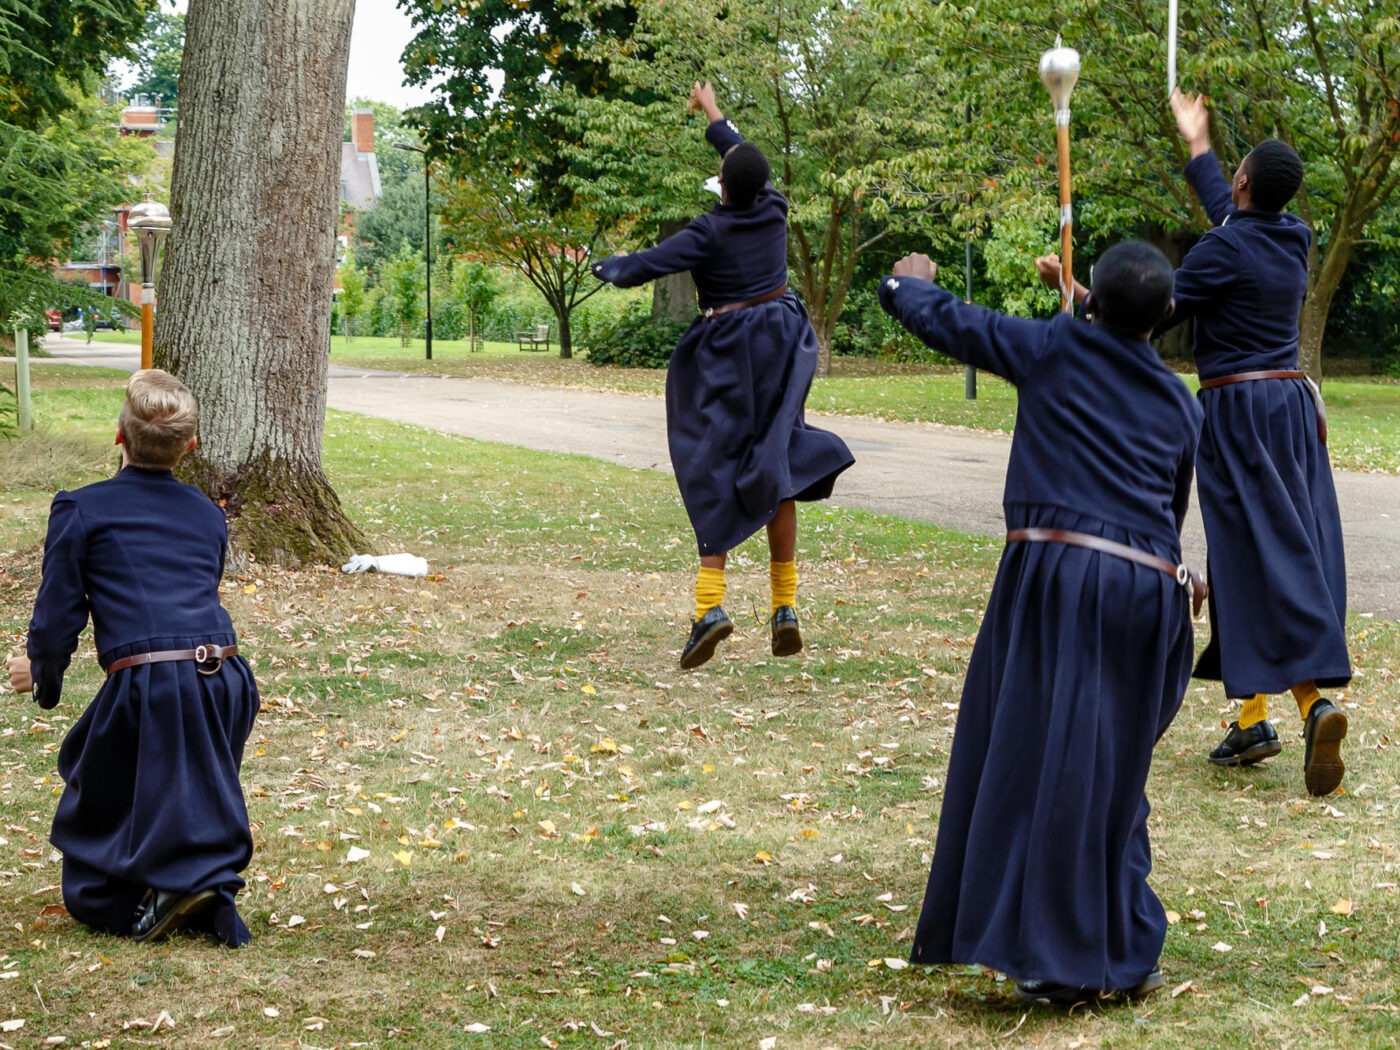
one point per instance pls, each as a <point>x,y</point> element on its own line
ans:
<point>1059,69</point>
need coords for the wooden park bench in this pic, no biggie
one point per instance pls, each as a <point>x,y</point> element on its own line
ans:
<point>536,340</point>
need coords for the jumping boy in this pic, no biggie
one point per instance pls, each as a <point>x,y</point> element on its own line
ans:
<point>1041,862</point>
<point>736,386</point>
<point>151,824</point>
<point>1273,531</point>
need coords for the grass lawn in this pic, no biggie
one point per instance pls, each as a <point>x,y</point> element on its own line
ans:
<point>568,842</point>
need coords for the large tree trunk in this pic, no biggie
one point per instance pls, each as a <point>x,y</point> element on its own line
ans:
<point>673,295</point>
<point>1324,278</point>
<point>246,291</point>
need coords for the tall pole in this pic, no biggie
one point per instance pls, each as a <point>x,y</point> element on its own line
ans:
<point>969,371</point>
<point>427,240</point>
<point>1059,69</point>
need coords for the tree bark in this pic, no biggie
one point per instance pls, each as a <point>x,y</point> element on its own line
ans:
<point>673,296</point>
<point>246,289</point>
<point>1325,279</point>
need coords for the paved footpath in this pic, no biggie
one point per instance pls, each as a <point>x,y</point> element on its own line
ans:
<point>944,475</point>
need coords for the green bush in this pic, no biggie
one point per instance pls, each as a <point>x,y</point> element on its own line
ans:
<point>865,330</point>
<point>635,340</point>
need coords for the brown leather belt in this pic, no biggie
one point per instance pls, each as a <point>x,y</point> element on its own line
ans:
<point>204,654</point>
<point>1184,576</point>
<point>1278,373</point>
<point>711,312</point>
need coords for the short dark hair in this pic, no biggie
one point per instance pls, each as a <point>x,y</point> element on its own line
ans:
<point>1275,172</point>
<point>745,171</point>
<point>1132,287</point>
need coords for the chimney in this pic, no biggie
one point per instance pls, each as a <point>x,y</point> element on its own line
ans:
<point>362,130</point>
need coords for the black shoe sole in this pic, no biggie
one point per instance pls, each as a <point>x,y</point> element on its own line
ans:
<point>1250,755</point>
<point>1325,768</point>
<point>705,647</point>
<point>787,640</point>
<point>179,915</point>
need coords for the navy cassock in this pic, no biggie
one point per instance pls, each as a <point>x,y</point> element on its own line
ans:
<point>737,384</point>
<point>1273,532</point>
<point>1041,862</point>
<point>151,794</point>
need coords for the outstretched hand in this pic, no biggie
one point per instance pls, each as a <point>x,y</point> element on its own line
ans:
<point>17,667</point>
<point>702,100</point>
<point>917,265</point>
<point>1050,270</point>
<point>1192,120</point>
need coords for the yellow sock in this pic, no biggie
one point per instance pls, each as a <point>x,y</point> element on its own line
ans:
<point>782,578</point>
<point>1255,710</point>
<point>1306,694</point>
<point>709,590</point>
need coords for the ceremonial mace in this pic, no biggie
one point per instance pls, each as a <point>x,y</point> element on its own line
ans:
<point>1059,69</point>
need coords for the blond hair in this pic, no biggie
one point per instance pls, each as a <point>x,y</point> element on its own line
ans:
<point>158,419</point>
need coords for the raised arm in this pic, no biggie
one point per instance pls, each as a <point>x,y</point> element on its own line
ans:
<point>1011,347</point>
<point>1203,172</point>
<point>61,607</point>
<point>720,133</point>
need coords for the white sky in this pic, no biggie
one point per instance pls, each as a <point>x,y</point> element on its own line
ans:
<point>380,33</point>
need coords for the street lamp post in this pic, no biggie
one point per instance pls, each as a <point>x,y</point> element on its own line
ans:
<point>427,242</point>
<point>151,221</point>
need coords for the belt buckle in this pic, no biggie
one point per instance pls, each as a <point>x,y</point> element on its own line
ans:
<point>1183,575</point>
<point>204,654</point>
<point>709,313</point>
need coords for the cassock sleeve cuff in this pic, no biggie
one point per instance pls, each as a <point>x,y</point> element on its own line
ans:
<point>47,674</point>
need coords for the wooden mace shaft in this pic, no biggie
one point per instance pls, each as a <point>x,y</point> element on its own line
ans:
<point>1066,221</point>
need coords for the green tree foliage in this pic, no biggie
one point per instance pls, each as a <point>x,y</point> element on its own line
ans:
<point>1320,74</point>
<point>401,290</point>
<point>832,92</point>
<point>352,301</point>
<point>60,158</point>
<point>396,219</point>
<point>51,52</point>
<point>501,71</point>
<point>158,57</point>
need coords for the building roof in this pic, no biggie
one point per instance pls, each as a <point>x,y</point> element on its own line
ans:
<point>359,177</point>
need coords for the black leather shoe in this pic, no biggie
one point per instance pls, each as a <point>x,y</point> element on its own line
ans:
<point>705,634</point>
<point>1244,747</point>
<point>787,638</point>
<point>1324,732</point>
<point>165,911</point>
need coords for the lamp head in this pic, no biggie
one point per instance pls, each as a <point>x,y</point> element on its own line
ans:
<point>1059,69</point>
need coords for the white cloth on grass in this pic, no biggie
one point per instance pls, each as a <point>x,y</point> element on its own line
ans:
<point>397,564</point>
